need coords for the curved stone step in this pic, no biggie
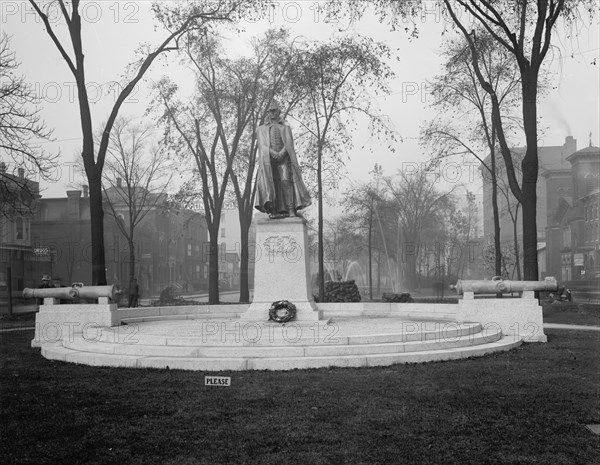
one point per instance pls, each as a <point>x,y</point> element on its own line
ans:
<point>287,363</point>
<point>235,333</point>
<point>79,343</point>
<point>188,316</point>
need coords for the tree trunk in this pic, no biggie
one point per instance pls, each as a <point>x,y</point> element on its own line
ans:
<point>131,245</point>
<point>529,166</point>
<point>213,264</point>
<point>320,223</point>
<point>244,259</point>
<point>371,252</point>
<point>497,246</point>
<point>516,245</point>
<point>97,227</point>
<point>378,273</point>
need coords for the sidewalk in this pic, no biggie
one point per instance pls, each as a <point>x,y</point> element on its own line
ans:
<point>572,327</point>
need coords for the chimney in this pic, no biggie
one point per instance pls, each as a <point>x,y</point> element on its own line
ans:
<point>570,146</point>
<point>2,167</point>
<point>85,191</point>
<point>21,173</point>
<point>119,183</point>
<point>73,204</point>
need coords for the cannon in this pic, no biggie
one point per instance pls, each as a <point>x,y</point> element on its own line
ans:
<point>70,293</point>
<point>94,292</point>
<point>498,285</point>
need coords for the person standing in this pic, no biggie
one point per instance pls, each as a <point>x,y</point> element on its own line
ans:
<point>134,293</point>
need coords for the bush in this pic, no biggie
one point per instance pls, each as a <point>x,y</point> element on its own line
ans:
<point>403,297</point>
<point>341,291</point>
<point>168,295</point>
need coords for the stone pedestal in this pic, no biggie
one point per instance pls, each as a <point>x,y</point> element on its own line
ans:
<point>519,318</point>
<point>282,269</point>
<point>53,322</point>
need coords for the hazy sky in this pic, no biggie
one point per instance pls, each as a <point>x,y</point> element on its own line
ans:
<point>113,30</point>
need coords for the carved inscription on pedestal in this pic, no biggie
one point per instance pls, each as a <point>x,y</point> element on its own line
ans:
<point>285,247</point>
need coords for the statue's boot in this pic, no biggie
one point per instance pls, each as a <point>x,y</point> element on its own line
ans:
<point>288,195</point>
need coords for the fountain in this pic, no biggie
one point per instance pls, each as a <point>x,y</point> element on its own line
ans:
<point>360,280</point>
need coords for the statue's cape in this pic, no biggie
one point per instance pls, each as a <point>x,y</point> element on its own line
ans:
<point>265,188</point>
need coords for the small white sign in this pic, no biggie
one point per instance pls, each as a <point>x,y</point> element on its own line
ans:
<point>217,380</point>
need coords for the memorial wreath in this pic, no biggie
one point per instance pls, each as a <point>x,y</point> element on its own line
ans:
<point>282,311</point>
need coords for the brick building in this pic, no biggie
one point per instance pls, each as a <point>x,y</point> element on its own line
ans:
<point>168,244</point>
<point>21,263</point>
<point>554,172</point>
<point>567,210</point>
<point>573,238</point>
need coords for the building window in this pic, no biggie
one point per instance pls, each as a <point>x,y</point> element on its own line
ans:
<point>222,232</point>
<point>591,183</point>
<point>197,271</point>
<point>189,250</point>
<point>19,226</point>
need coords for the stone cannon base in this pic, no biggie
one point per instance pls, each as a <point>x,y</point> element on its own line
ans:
<point>521,317</point>
<point>54,323</point>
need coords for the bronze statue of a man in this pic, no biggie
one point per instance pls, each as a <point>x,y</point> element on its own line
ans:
<point>280,190</point>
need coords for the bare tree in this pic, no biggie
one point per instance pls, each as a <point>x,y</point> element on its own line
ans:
<point>525,29</point>
<point>367,209</point>
<point>466,123</point>
<point>178,19</point>
<point>419,206</point>
<point>134,179</point>
<point>21,133</point>
<point>200,130</point>
<point>361,205</point>
<point>336,75</point>
<point>256,82</point>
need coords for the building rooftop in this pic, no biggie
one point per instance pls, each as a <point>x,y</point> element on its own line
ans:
<point>588,151</point>
<point>550,158</point>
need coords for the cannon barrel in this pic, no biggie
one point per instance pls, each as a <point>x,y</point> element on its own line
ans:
<point>70,293</point>
<point>496,286</point>
<point>93,292</point>
<point>51,292</point>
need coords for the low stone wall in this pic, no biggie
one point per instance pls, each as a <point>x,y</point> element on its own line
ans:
<point>521,318</point>
<point>410,311</point>
<point>140,312</point>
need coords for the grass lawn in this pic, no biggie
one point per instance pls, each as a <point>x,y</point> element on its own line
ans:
<point>529,405</point>
<point>572,313</point>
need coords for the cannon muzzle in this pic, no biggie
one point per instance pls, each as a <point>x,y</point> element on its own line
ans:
<point>68,293</point>
<point>93,292</point>
<point>498,285</point>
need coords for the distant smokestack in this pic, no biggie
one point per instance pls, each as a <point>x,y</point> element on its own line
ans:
<point>570,145</point>
<point>119,182</point>
<point>2,167</point>
<point>21,173</point>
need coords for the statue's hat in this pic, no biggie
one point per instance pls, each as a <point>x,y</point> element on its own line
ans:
<point>274,105</point>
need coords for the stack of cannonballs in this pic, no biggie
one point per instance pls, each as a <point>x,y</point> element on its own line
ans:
<point>341,291</point>
<point>402,297</point>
